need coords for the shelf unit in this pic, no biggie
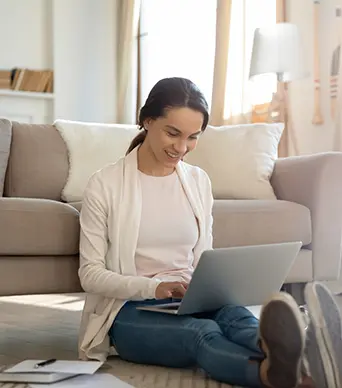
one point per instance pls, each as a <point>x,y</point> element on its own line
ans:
<point>22,94</point>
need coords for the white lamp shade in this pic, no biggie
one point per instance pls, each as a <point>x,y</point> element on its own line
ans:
<point>277,49</point>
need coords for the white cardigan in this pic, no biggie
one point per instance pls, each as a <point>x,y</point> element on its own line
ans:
<point>110,219</point>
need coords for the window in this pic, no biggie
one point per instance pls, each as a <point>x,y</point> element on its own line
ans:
<point>247,15</point>
<point>178,38</point>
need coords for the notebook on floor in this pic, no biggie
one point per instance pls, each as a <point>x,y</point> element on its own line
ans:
<point>26,372</point>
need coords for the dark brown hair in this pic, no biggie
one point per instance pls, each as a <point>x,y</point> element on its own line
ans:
<point>170,93</point>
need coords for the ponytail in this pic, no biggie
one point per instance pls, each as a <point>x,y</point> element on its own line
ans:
<point>139,139</point>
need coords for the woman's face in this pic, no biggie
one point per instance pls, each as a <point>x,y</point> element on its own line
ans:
<point>171,137</point>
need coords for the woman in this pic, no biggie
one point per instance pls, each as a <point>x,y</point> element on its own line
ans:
<point>145,221</point>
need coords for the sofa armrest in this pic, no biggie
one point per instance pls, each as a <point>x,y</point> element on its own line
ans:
<point>315,181</point>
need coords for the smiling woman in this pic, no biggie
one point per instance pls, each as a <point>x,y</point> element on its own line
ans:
<point>145,222</point>
<point>172,119</point>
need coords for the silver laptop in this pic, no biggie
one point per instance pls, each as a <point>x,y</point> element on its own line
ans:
<point>244,276</point>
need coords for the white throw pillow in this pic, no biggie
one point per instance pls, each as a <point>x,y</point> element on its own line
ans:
<point>91,146</point>
<point>239,159</point>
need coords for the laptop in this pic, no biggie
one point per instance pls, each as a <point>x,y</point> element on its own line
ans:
<point>244,276</point>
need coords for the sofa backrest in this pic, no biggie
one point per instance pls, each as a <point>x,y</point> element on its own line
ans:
<point>38,162</point>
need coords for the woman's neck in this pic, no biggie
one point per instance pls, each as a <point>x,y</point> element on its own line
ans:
<point>149,165</point>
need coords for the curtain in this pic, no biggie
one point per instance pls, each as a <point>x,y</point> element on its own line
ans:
<point>288,144</point>
<point>283,148</point>
<point>223,18</point>
<point>233,94</point>
<point>128,23</point>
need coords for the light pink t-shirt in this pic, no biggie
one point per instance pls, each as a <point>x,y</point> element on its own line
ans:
<point>168,230</point>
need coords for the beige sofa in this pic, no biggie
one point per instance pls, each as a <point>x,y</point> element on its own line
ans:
<point>39,234</point>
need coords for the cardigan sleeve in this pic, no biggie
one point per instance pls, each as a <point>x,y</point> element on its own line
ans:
<point>206,198</point>
<point>94,276</point>
<point>208,205</point>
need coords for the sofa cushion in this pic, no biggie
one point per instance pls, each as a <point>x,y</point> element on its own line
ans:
<point>38,163</point>
<point>101,143</point>
<point>239,159</point>
<point>246,222</point>
<point>5,145</point>
<point>38,227</point>
<point>39,275</point>
<point>249,222</point>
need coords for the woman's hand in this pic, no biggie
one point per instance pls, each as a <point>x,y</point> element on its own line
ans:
<point>171,290</point>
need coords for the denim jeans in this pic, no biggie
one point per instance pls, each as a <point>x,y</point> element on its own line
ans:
<point>224,343</point>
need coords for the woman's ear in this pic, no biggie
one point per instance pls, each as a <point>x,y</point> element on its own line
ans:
<point>147,123</point>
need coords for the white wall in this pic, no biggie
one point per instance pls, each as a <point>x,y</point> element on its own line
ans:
<point>84,59</point>
<point>25,33</point>
<point>314,138</point>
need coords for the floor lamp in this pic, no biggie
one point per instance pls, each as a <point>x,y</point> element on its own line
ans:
<point>277,49</point>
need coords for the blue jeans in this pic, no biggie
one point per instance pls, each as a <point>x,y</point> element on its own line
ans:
<point>224,343</point>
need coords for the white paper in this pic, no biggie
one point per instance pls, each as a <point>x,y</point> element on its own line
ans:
<point>103,380</point>
<point>59,366</point>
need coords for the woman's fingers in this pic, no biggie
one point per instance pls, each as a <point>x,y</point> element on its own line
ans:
<point>179,290</point>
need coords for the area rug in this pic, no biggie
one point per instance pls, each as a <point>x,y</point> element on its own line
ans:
<point>46,326</point>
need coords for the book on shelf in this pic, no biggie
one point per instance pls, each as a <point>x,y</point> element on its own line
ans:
<point>28,80</point>
<point>5,79</point>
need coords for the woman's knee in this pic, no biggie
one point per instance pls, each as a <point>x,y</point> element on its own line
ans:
<point>203,330</point>
<point>231,314</point>
<point>234,311</point>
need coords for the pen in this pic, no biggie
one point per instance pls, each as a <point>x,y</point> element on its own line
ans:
<point>44,363</point>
